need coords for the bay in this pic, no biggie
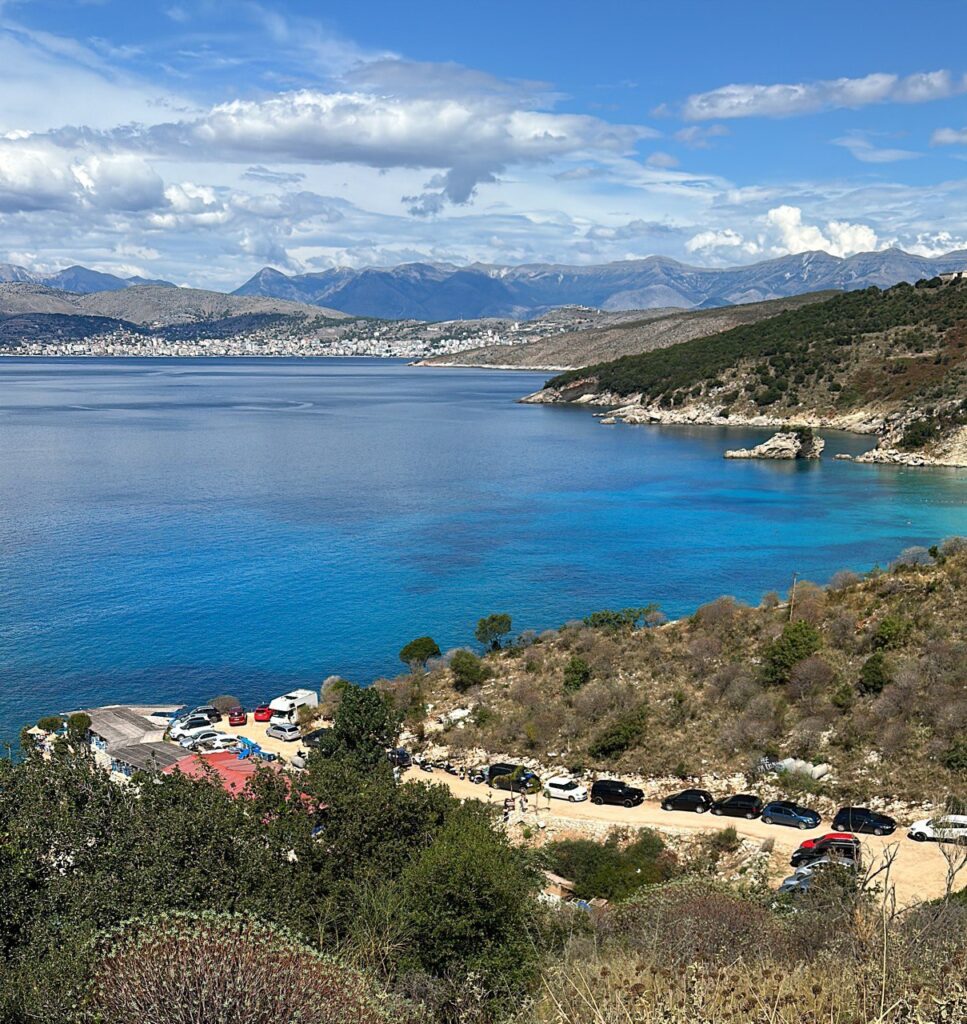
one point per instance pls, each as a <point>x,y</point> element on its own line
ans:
<point>172,529</point>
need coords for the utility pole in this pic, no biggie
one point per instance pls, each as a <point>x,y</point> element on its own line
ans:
<point>792,594</point>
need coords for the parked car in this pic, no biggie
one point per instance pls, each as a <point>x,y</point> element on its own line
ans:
<point>220,742</point>
<point>808,844</point>
<point>189,726</point>
<point>785,812</point>
<point>262,713</point>
<point>190,740</point>
<point>614,791</point>
<point>311,739</point>
<point>563,788</point>
<point>949,828</point>
<point>209,711</point>
<point>742,805</point>
<point>238,716</point>
<point>862,819</point>
<point>843,849</point>
<point>697,800</point>
<point>802,880</point>
<point>399,757</point>
<point>287,732</point>
<point>512,777</point>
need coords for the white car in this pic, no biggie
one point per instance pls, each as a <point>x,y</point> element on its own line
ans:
<point>190,726</point>
<point>563,788</point>
<point>220,741</point>
<point>950,828</point>
<point>193,739</point>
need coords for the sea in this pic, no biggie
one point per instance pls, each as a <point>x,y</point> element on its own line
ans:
<point>175,529</point>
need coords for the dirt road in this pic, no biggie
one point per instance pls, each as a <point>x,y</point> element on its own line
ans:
<point>918,873</point>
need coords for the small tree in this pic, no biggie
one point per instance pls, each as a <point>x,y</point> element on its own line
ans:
<point>622,734</point>
<point>419,651</point>
<point>78,725</point>
<point>491,630</point>
<point>50,723</point>
<point>224,702</point>
<point>875,674</point>
<point>468,670</point>
<point>798,641</point>
<point>576,673</point>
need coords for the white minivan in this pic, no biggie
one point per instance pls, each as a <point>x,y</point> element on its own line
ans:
<point>947,828</point>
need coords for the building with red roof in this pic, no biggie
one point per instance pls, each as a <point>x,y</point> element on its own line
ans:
<point>223,766</point>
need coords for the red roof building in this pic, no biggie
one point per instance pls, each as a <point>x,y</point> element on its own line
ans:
<point>223,766</point>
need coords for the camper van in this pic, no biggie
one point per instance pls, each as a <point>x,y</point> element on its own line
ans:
<point>284,708</point>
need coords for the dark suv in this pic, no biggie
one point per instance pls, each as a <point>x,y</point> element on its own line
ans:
<point>614,791</point>
<point>862,819</point>
<point>513,777</point>
<point>698,800</point>
<point>742,805</point>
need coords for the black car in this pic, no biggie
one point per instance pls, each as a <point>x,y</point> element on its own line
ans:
<point>862,819</point>
<point>698,800</point>
<point>399,757</point>
<point>614,791</point>
<point>519,780</point>
<point>742,805</point>
<point>314,738</point>
<point>840,849</point>
<point>211,713</point>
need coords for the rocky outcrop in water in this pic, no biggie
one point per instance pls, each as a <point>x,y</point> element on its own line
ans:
<point>795,444</point>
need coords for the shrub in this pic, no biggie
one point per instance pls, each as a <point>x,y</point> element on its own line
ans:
<point>621,734</point>
<point>875,674</point>
<point>798,641</point>
<point>491,629</point>
<point>221,969</point>
<point>577,672</point>
<point>419,651</point>
<point>78,725</point>
<point>50,723</point>
<point>613,869</point>
<point>891,631</point>
<point>954,758</point>
<point>468,670</point>
<point>224,702</point>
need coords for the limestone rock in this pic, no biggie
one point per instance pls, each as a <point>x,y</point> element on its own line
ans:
<point>784,445</point>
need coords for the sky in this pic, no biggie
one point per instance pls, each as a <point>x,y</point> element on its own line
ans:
<point>201,141</point>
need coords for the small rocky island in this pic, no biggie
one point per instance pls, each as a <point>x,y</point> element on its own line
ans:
<point>793,444</point>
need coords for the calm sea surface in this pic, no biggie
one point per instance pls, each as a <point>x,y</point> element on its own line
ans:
<point>173,529</point>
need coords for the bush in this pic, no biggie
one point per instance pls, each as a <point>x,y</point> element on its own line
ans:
<point>954,758</point>
<point>577,672</point>
<point>798,641</point>
<point>468,670</point>
<point>51,723</point>
<point>621,734</point>
<point>78,725</point>
<point>875,674</point>
<point>492,629</point>
<point>221,969</point>
<point>419,651</point>
<point>225,702</point>
<point>891,631</point>
<point>611,870</point>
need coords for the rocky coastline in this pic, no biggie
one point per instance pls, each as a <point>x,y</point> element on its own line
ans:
<point>950,452</point>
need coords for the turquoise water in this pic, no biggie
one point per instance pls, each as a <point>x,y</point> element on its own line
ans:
<point>173,529</point>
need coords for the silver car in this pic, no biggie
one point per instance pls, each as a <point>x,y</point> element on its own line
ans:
<point>288,733</point>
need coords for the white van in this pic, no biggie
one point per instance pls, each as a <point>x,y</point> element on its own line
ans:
<point>284,708</point>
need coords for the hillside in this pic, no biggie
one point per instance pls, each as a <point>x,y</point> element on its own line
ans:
<point>438,291</point>
<point>624,335</point>
<point>892,362</point>
<point>147,304</point>
<point>868,675</point>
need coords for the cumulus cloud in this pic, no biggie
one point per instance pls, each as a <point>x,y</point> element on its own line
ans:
<point>862,148</point>
<point>786,100</point>
<point>705,241</point>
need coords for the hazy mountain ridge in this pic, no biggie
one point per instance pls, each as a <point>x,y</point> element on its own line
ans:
<point>75,279</point>
<point>434,291</point>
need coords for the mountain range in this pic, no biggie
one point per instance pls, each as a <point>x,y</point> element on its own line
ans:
<point>76,279</point>
<point>440,291</point>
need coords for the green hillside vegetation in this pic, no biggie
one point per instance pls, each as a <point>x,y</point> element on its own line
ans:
<point>868,674</point>
<point>899,349</point>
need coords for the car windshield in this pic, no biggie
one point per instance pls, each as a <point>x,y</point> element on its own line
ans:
<point>571,784</point>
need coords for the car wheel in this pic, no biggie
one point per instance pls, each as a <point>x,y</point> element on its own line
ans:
<point>571,799</point>
<point>701,809</point>
<point>597,800</point>
<point>803,825</point>
<point>877,831</point>
<point>628,804</point>
<point>666,807</point>
<point>766,819</point>
<point>717,810</point>
<point>919,837</point>
<point>750,815</point>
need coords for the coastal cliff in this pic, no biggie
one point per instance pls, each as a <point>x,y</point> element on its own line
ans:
<point>891,364</point>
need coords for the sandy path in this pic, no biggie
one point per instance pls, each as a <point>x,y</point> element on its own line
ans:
<point>918,873</point>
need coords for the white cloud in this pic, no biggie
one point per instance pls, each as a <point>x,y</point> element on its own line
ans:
<point>786,100</point>
<point>863,149</point>
<point>660,159</point>
<point>949,137</point>
<point>706,242</point>
<point>697,136</point>
<point>840,238</point>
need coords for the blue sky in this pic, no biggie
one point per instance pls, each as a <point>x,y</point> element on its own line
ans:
<point>201,141</point>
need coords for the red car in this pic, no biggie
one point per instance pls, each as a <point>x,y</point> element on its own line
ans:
<point>808,844</point>
<point>262,713</point>
<point>237,716</point>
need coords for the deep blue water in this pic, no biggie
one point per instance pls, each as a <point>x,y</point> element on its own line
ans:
<point>173,529</point>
